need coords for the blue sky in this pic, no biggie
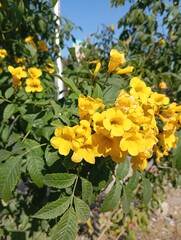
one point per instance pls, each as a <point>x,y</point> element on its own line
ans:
<point>90,14</point>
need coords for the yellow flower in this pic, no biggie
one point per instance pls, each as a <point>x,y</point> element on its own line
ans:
<point>112,27</point>
<point>42,46</point>
<point>162,85</point>
<point>20,60</point>
<point>139,89</point>
<point>1,70</point>
<point>88,106</point>
<point>33,85</point>
<point>125,70</point>
<point>132,142</point>
<point>116,122</point>
<point>17,72</point>
<point>88,152</point>
<point>161,42</point>
<point>50,68</point>
<point>158,99</point>
<point>31,41</point>
<point>34,72</point>
<point>3,53</point>
<point>98,66</point>
<point>116,59</point>
<point>63,139</point>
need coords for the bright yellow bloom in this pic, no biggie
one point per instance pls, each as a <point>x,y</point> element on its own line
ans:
<point>42,46</point>
<point>125,101</point>
<point>158,99</point>
<point>132,142</point>
<point>17,72</point>
<point>139,89</point>
<point>3,53</point>
<point>98,66</point>
<point>33,85</point>
<point>50,68</point>
<point>116,122</point>
<point>162,85</point>
<point>31,41</point>
<point>20,60</point>
<point>125,70</point>
<point>88,152</point>
<point>97,122</point>
<point>116,59</point>
<point>161,42</point>
<point>34,72</point>
<point>88,106</point>
<point>63,139</point>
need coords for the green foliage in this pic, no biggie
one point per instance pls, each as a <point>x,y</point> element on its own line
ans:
<point>44,195</point>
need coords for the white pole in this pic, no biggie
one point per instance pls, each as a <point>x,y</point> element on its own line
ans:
<point>58,61</point>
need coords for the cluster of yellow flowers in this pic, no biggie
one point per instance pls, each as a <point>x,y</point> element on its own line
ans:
<point>141,123</point>
<point>33,83</point>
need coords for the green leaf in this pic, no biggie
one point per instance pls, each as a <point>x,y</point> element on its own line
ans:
<point>70,83</point>
<point>177,152</point>
<point>9,92</point>
<point>56,107</point>
<point>112,199</point>
<point>147,190</point>
<point>4,154</point>
<point>97,93</point>
<point>9,176</point>
<point>35,165</point>
<point>59,180</point>
<point>66,227</point>
<point>82,209</point>
<point>127,198</point>
<point>54,209</point>
<point>51,156</point>
<point>53,2</point>
<point>9,111</point>
<point>33,146</point>
<point>123,169</point>
<point>87,190</point>
<point>133,181</point>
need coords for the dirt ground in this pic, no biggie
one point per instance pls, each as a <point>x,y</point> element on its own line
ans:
<point>164,223</point>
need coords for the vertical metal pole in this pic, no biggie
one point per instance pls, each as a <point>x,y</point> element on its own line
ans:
<point>58,82</point>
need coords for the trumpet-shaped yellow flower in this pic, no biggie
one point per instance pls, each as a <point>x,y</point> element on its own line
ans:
<point>31,41</point>
<point>42,46</point>
<point>88,106</point>
<point>158,99</point>
<point>139,89</point>
<point>34,72</point>
<point>133,143</point>
<point>33,85</point>
<point>116,122</point>
<point>128,69</point>
<point>116,59</point>
<point>98,66</point>
<point>162,85</point>
<point>3,53</point>
<point>17,72</point>
<point>63,139</point>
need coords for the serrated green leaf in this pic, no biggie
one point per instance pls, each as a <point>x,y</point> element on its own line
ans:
<point>66,227</point>
<point>123,169</point>
<point>147,190</point>
<point>35,165</point>
<point>33,146</point>
<point>59,180</point>
<point>4,154</point>
<point>9,176</point>
<point>133,181</point>
<point>51,157</point>
<point>70,83</point>
<point>53,209</point>
<point>9,111</point>
<point>127,198</point>
<point>112,199</point>
<point>87,190</point>
<point>97,93</point>
<point>82,209</point>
